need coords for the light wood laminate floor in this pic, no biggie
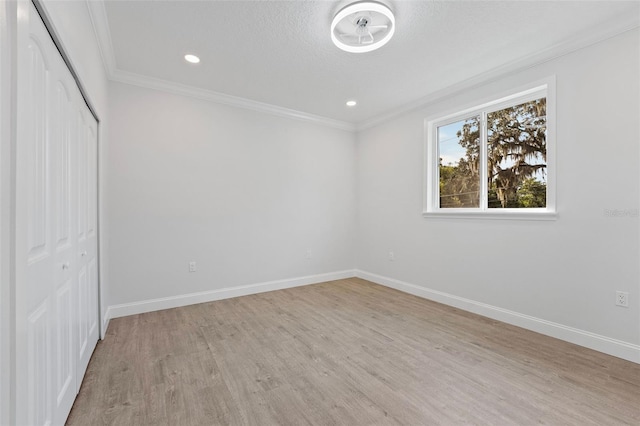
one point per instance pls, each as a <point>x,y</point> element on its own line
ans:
<point>346,352</point>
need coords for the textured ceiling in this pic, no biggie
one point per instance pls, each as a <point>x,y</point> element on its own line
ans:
<point>280,52</point>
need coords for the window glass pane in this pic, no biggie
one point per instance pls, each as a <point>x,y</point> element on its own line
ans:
<point>459,150</point>
<point>517,156</point>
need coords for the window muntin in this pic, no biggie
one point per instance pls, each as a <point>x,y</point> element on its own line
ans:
<point>493,160</point>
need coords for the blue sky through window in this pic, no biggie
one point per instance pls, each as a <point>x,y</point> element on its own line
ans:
<point>450,150</point>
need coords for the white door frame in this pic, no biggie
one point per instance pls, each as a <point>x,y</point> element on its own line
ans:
<point>8,16</point>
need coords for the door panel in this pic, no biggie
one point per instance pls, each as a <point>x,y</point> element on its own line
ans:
<point>39,366</point>
<point>64,268</point>
<point>83,324</point>
<point>87,239</point>
<point>65,374</point>
<point>92,182</point>
<point>92,228</point>
<point>93,299</point>
<point>37,151</point>
<point>81,177</point>
<point>39,260</point>
<point>62,125</point>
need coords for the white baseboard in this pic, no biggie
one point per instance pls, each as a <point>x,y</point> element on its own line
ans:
<point>105,323</point>
<point>618,348</point>
<point>150,305</point>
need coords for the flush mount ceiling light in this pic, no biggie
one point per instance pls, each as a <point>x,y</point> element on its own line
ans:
<point>363,27</point>
<point>191,58</point>
<point>351,103</point>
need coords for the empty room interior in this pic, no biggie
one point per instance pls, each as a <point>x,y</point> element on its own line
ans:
<point>322,212</point>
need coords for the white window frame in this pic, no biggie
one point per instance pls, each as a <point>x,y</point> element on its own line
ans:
<point>545,88</point>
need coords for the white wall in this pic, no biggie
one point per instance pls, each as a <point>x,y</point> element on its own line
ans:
<point>565,271</point>
<point>244,194</point>
<point>73,27</point>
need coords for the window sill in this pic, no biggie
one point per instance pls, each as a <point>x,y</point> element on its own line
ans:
<point>492,215</point>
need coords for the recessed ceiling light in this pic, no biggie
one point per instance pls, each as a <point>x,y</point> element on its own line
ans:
<point>363,27</point>
<point>351,103</point>
<point>191,58</point>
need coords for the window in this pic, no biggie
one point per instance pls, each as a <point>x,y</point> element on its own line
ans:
<point>494,160</point>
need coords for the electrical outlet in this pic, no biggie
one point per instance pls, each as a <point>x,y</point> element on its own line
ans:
<point>622,299</point>
<point>192,266</point>
<point>392,256</point>
<point>307,254</point>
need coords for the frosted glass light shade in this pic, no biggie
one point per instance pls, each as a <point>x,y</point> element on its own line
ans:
<point>363,27</point>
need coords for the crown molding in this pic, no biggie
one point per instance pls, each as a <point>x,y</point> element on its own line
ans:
<point>98,15</point>
<point>100,24</point>
<point>587,38</point>
<point>607,30</point>
<point>224,99</point>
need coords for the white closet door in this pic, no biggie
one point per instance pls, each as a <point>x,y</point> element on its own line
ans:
<point>87,237</point>
<point>60,136</point>
<point>56,238</point>
<point>34,290</point>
